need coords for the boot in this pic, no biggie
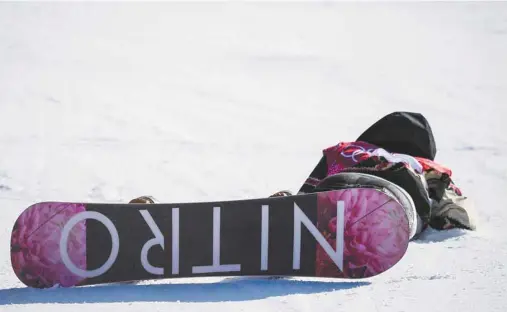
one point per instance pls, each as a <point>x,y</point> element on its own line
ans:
<point>281,193</point>
<point>143,200</point>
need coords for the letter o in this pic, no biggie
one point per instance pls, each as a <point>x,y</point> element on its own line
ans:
<point>65,236</point>
<point>351,146</point>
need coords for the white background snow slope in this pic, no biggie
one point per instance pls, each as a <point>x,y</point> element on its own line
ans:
<point>194,102</point>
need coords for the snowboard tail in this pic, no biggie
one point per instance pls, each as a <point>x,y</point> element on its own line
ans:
<point>350,233</point>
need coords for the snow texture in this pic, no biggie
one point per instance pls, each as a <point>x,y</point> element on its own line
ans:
<point>211,101</point>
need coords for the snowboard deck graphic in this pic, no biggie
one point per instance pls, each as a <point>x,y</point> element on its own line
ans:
<point>350,233</point>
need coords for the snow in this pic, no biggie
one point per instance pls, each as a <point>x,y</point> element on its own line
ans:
<point>209,101</point>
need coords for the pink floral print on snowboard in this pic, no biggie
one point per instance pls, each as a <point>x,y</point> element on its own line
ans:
<point>35,245</point>
<point>376,232</point>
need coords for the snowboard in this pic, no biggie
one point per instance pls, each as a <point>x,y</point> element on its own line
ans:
<point>344,234</point>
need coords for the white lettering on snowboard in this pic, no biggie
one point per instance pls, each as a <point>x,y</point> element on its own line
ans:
<point>264,237</point>
<point>216,266</point>
<point>157,240</point>
<point>300,218</point>
<point>176,241</point>
<point>335,255</point>
<point>65,236</point>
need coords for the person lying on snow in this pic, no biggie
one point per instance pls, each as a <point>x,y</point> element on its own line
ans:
<point>396,153</point>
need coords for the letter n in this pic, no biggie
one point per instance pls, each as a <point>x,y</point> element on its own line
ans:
<point>335,254</point>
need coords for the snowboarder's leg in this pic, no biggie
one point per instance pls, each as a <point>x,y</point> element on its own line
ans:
<point>357,179</point>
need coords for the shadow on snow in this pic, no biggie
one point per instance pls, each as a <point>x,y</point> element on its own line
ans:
<point>435,236</point>
<point>232,289</point>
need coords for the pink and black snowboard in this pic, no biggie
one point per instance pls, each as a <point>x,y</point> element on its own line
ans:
<point>346,234</point>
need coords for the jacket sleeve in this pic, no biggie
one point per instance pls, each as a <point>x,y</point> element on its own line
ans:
<point>449,207</point>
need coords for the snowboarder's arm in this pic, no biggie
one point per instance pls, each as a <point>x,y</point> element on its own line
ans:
<point>318,173</point>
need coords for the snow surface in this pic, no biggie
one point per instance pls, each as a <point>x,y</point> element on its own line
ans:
<point>194,102</point>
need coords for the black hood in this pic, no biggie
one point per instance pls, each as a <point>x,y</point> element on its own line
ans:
<point>404,133</point>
